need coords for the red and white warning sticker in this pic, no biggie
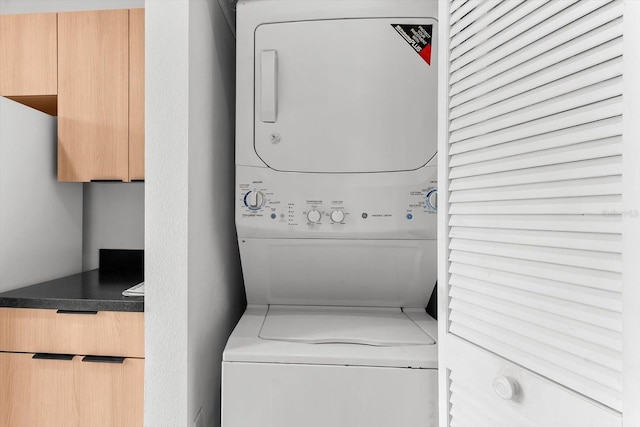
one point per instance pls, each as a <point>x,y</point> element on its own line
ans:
<point>418,37</point>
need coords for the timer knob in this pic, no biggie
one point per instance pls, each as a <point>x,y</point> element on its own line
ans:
<point>432,199</point>
<point>314,216</point>
<point>337,216</point>
<point>254,200</point>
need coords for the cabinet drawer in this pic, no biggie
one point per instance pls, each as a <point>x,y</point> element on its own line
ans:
<point>70,393</point>
<point>105,333</point>
<point>492,392</point>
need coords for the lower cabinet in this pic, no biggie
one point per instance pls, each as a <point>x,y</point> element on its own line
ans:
<point>41,390</point>
<point>71,369</point>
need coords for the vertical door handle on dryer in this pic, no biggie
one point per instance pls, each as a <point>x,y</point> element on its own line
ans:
<point>268,86</point>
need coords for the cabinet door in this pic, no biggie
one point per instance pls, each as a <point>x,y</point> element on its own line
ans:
<point>69,393</point>
<point>93,95</point>
<point>531,222</point>
<point>136,94</point>
<point>28,60</point>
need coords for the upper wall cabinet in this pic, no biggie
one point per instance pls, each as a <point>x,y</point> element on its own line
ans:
<point>98,95</point>
<point>28,62</point>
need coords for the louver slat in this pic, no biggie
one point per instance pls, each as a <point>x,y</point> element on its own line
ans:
<point>589,278</point>
<point>609,108</point>
<point>500,90</point>
<point>579,134</point>
<point>455,5</point>
<point>482,83</point>
<point>479,10</point>
<point>568,223</point>
<point>558,92</point>
<point>605,166</point>
<point>558,239</point>
<point>589,95</point>
<point>496,28</point>
<point>463,10</point>
<point>559,29</point>
<point>560,291</point>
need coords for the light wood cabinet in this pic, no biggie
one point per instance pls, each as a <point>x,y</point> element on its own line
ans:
<point>74,392</point>
<point>28,60</point>
<point>93,96</point>
<point>88,69</point>
<point>50,374</point>
<point>136,94</point>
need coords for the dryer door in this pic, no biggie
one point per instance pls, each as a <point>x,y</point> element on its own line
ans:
<point>348,95</point>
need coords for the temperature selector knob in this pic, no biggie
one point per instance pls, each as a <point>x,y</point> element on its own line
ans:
<point>432,200</point>
<point>254,200</point>
<point>314,216</point>
<point>337,216</point>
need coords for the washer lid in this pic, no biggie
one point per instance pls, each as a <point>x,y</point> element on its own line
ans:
<point>348,325</point>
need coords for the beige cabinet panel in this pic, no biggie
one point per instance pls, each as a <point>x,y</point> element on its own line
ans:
<point>136,94</point>
<point>69,393</point>
<point>93,96</point>
<point>28,60</point>
<point>107,333</point>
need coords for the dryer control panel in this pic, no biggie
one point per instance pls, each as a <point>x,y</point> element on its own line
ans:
<point>271,204</point>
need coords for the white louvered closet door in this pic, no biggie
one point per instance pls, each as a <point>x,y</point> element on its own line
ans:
<point>532,230</point>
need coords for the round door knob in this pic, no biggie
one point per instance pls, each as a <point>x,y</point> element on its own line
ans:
<point>337,216</point>
<point>314,216</point>
<point>506,387</point>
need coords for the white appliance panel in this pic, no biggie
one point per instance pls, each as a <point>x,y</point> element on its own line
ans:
<point>291,395</point>
<point>350,325</point>
<point>345,95</point>
<point>374,273</point>
<point>271,204</point>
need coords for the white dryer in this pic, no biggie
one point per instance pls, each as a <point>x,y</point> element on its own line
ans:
<point>335,214</point>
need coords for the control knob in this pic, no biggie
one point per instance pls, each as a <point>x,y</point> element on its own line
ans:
<point>314,216</point>
<point>254,200</point>
<point>337,216</point>
<point>432,199</point>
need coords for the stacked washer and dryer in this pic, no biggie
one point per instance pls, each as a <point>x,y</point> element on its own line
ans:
<point>335,215</point>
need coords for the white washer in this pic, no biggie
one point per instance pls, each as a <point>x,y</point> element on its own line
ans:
<point>335,214</point>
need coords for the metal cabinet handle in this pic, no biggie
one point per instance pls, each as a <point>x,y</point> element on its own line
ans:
<point>53,356</point>
<point>103,359</point>
<point>76,312</point>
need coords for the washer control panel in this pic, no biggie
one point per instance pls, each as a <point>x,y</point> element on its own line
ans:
<point>275,204</point>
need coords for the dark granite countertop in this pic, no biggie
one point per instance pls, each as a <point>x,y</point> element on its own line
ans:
<point>94,290</point>
<point>88,291</point>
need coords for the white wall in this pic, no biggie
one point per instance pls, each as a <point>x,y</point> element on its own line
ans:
<point>191,249</point>
<point>113,212</point>
<point>216,292</point>
<point>40,219</point>
<point>166,214</point>
<point>113,219</point>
